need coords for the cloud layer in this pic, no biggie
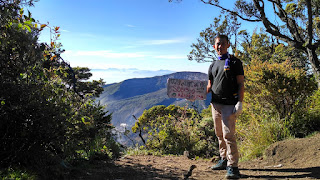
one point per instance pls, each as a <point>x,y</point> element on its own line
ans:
<point>115,55</point>
<point>113,75</point>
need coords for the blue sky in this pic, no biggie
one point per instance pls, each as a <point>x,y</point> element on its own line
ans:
<point>122,39</point>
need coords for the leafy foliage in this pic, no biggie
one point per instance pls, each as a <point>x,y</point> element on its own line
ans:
<point>306,120</point>
<point>11,173</point>
<point>47,111</point>
<point>278,92</point>
<point>281,100</point>
<point>266,48</point>
<point>277,87</point>
<point>278,104</point>
<point>281,96</point>
<point>295,23</point>
<point>203,50</point>
<point>173,130</point>
<point>275,92</point>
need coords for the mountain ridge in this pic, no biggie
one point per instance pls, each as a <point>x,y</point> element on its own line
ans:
<point>133,96</point>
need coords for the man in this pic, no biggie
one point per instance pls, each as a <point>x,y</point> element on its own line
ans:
<point>226,83</point>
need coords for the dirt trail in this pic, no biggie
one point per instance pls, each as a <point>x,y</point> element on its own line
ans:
<point>290,159</point>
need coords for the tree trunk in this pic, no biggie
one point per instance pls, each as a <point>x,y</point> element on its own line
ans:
<point>313,58</point>
<point>140,135</point>
<point>140,131</point>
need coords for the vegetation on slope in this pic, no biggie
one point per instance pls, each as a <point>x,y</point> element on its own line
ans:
<point>281,101</point>
<point>48,118</point>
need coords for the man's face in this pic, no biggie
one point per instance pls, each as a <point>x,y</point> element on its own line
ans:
<point>221,45</point>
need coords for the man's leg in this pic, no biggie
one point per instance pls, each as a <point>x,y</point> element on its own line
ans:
<point>228,131</point>
<point>216,115</point>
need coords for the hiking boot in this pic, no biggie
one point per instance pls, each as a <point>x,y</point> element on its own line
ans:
<point>233,173</point>
<point>221,165</point>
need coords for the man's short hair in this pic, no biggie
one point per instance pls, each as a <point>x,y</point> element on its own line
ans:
<point>222,36</point>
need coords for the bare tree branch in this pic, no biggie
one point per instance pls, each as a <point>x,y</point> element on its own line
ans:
<point>291,23</point>
<point>273,29</point>
<point>309,27</point>
<point>231,12</point>
<point>270,27</point>
<point>299,36</point>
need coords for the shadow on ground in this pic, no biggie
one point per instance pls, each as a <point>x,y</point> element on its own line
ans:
<point>292,173</point>
<point>106,171</point>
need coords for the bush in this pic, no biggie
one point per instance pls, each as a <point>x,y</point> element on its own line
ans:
<point>11,173</point>
<point>173,130</point>
<point>275,94</point>
<point>257,134</point>
<point>306,120</point>
<point>47,109</point>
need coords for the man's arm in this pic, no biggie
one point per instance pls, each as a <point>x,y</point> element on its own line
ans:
<point>209,86</point>
<point>240,82</point>
<point>238,107</point>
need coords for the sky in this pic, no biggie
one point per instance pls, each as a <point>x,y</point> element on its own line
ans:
<point>124,39</point>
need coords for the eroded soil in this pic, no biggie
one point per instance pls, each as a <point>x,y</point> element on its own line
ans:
<point>290,159</point>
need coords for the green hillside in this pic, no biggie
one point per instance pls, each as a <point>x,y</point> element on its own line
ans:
<point>133,96</point>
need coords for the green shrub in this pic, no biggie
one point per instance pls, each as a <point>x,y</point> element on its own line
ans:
<point>275,105</point>
<point>47,109</point>
<point>257,134</point>
<point>174,129</point>
<point>306,120</point>
<point>16,174</point>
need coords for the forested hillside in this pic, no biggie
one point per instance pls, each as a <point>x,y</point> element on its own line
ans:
<point>133,96</point>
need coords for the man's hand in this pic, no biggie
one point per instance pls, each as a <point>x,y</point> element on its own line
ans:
<point>209,86</point>
<point>238,108</point>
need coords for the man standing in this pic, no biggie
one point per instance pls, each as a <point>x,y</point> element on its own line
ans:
<point>226,83</point>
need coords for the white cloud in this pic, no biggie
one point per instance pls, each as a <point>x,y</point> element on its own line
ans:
<point>112,75</point>
<point>171,57</point>
<point>162,41</point>
<point>119,55</point>
<point>87,35</point>
<point>64,30</point>
<point>107,54</point>
<point>131,26</point>
<point>108,66</point>
<point>123,125</point>
<point>130,47</point>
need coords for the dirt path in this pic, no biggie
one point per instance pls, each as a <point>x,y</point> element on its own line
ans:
<point>290,159</point>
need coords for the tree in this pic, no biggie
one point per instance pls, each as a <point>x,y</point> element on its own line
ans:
<point>297,23</point>
<point>48,114</point>
<point>174,129</point>
<point>277,88</point>
<point>203,50</point>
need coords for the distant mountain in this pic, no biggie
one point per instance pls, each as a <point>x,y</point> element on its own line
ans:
<point>133,96</point>
<point>111,75</point>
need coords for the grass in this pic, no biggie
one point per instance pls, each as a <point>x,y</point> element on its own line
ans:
<point>259,134</point>
<point>312,134</point>
<point>133,151</point>
<point>16,174</point>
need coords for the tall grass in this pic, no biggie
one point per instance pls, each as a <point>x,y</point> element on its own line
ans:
<point>257,131</point>
<point>257,134</point>
<point>141,150</point>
